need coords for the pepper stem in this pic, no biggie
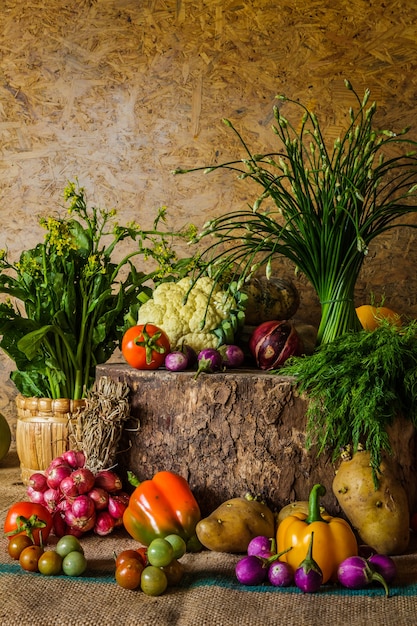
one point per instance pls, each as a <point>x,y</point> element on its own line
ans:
<point>314,514</point>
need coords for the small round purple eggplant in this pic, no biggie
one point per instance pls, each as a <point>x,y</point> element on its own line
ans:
<point>262,546</point>
<point>251,570</point>
<point>176,361</point>
<point>233,356</point>
<point>384,565</point>
<point>209,361</point>
<point>308,576</point>
<point>355,573</point>
<point>280,574</point>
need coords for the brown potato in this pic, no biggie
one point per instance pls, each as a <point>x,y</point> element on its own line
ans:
<point>299,506</point>
<point>380,516</point>
<point>234,523</point>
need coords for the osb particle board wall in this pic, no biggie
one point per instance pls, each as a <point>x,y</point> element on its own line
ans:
<point>120,92</point>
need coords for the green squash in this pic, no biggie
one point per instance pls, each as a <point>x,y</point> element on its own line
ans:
<point>270,299</point>
<point>5,436</point>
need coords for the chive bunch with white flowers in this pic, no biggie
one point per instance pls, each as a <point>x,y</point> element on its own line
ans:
<point>328,204</point>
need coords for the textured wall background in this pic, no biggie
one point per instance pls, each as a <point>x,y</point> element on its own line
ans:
<point>120,92</point>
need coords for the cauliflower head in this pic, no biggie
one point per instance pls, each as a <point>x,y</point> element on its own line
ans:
<point>192,321</point>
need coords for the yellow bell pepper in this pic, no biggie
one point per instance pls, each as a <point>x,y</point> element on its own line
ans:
<point>334,539</point>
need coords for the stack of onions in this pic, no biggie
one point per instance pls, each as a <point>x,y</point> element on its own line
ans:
<point>79,500</point>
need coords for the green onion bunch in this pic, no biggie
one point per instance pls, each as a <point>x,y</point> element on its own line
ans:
<point>320,206</point>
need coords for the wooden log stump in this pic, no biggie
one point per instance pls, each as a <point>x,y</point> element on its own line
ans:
<point>232,432</point>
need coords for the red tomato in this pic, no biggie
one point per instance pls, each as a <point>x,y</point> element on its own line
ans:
<point>145,346</point>
<point>31,518</point>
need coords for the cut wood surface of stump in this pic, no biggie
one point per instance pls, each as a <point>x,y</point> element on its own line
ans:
<point>227,433</point>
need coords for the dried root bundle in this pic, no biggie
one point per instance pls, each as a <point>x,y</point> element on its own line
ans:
<point>98,427</point>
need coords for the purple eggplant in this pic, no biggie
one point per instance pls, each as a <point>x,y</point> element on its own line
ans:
<point>308,576</point>
<point>209,361</point>
<point>384,565</point>
<point>280,574</point>
<point>355,573</point>
<point>251,570</point>
<point>176,361</point>
<point>232,355</point>
<point>262,546</point>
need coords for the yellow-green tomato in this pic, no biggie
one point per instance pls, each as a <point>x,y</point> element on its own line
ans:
<point>153,581</point>
<point>50,563</point>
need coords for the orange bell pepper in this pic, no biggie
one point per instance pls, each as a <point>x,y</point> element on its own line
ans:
<point>162,506</point>
<point>334,539</point>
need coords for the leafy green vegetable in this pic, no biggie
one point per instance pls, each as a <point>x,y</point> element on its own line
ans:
<point>323,205</point>
<point>356,386</point>
<point>68,304</point>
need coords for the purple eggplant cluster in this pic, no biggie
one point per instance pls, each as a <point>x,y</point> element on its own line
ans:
<point>261,564</point>
<point>208,360</point>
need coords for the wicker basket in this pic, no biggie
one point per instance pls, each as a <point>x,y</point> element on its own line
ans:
<point>42,431</point>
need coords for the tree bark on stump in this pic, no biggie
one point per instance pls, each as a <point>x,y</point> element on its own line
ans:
<point>231,433</point>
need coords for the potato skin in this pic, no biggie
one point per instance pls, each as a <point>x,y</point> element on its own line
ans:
<point>234,523</point>
<point>380,517</point>
<point>298,506</point>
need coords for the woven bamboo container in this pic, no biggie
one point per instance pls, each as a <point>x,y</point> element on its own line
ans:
<point>42,431</point>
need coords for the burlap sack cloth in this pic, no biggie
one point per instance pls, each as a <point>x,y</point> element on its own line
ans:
<point>208,596</point>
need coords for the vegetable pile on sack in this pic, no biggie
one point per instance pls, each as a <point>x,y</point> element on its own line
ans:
<point>198,313</point>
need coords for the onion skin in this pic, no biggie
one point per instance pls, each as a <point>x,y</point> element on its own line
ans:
<point>272,343</point>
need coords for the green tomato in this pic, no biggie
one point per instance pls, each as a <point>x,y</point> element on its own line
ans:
<point>178,544</point>
<point>160,552</point>
<point>67,544</point>
<point>74,564</point>
<point>153,581</point>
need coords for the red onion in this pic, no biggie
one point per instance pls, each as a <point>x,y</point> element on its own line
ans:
<point>64,505</point>
<point>38,481</point>
<point>68,488</point>
<point>59,524</point>
<point>83,507</point>
<point>35,496</point>
<point>108,480</point>
<point>83,479</point>
<point>58,460</point>
<point>80,523</point>
<point>100,497</point>
<point>104,523</point>
<point>52,498</point>
<point>272,343</point>
<point>117,505</point>
<point>74,458</point>
<point>56,475</point>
